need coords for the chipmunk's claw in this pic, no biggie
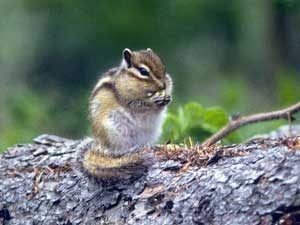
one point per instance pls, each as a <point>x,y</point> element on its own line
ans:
<point>162,101</point>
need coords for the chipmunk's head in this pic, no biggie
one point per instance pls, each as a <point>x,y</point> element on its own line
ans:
<point>143,81</point>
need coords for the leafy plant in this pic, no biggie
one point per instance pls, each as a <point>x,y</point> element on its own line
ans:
<point>193,122</point>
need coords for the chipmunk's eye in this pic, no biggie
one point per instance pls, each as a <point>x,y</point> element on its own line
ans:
<point>143,71</point>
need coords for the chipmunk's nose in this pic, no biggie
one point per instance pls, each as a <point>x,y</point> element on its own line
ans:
<point>162,85</point>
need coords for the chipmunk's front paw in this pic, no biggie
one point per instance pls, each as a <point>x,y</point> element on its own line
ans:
<point>162,100</point>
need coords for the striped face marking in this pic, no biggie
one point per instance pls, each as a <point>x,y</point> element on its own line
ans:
<point>144,64</point>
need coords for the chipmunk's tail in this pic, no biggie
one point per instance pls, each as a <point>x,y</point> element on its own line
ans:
<point>103,166</point>
<point>93,161</point>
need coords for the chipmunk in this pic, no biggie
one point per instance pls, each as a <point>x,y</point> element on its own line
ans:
<point>126,109</point>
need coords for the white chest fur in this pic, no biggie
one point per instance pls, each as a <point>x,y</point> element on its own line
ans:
<point>129,131</point>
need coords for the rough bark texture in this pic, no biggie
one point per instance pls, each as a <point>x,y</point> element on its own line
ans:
<point>43,183</point>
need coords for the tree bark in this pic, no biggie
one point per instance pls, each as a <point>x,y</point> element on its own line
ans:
<point>43,183</point>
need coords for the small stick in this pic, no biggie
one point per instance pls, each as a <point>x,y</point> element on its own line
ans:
<point>236,123</point>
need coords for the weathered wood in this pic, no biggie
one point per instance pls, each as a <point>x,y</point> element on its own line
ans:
<point>43,183</point>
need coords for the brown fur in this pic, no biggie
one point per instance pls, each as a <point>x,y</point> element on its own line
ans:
<point>101,165</point>
<point>150,59</point>
<point>108,103</point>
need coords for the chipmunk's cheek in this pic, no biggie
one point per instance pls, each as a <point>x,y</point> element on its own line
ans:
<point>150,94</point>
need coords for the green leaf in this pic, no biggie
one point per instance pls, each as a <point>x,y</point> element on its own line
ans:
<point>193,121</point>
<point>194,112</point>
<point>171,129</point>
<point>216,117</point>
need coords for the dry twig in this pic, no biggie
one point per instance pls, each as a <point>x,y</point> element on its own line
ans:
<point>238,122</point>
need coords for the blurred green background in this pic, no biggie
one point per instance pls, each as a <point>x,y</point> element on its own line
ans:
<point>241,55</point>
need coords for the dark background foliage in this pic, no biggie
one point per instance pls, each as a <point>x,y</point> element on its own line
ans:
<point>241,55</point>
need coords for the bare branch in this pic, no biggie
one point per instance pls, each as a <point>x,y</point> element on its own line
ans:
<point>236,123</point>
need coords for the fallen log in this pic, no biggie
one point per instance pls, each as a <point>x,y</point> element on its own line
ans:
<point>257,182</point>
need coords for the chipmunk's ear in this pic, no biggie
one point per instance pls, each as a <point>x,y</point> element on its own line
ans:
<point>127,53</point>
<point>149,50</point>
